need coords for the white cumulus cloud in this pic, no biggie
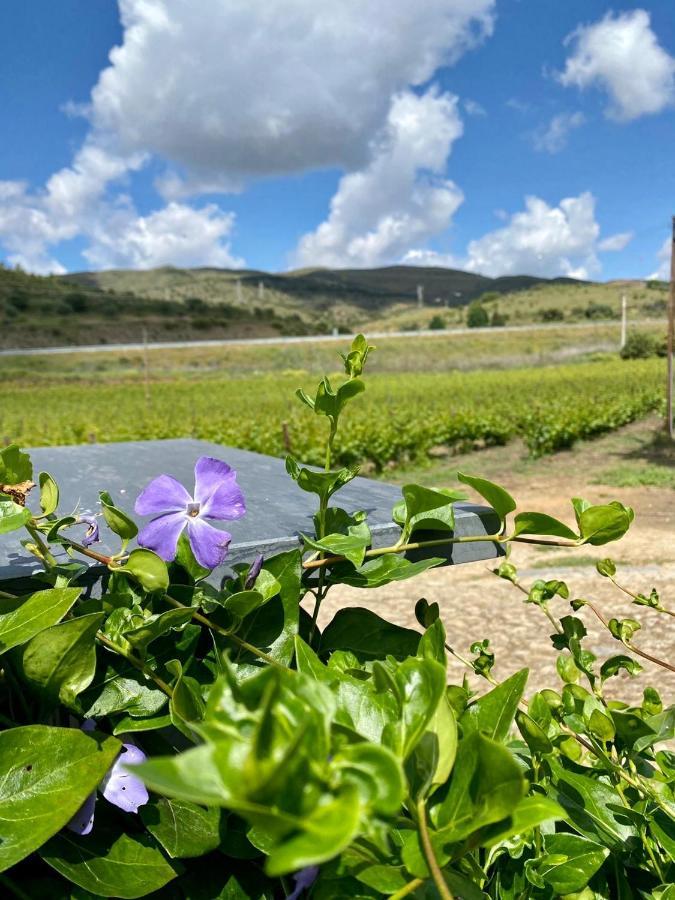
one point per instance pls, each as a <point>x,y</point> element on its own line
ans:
<point>621,55</point>
<point>259,87</point>
<point>400,198</point>
<point>616,242</point>
<point>176,235</point>
<point>541,240</point>
<point>662,273</point>
<point>552,138</point>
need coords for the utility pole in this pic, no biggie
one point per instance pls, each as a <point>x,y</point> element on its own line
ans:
<point>623,321</point>
<point>671,334</point>
<point>261,290</point>
<point>239,294</point>
<point>420,295</point>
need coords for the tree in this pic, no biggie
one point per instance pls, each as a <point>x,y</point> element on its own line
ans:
<point>477,315</point>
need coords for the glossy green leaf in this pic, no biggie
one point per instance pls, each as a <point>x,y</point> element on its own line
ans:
<point>380,571</point>
<point>531,812</point>
<point>157,625</point>
<point>493,713</point>
<point>368,635</point>
<point>320,836</point>
<point>49,493</point>
<point>540,524</point>
<point>116,519</point>
<point>426,509</point>
<point>12,516</point>
<point>500,500</point>
<point>601,524</point>
<point>47,773</point>
<point>148,569</point>
<point>15,466</point>
<point>24,617</point>
<point>184,829</point>
<point>61,660</point>
<point>375,772</point>
<point>533,735</point>
<point>568,863</point>
<point>110,864</point>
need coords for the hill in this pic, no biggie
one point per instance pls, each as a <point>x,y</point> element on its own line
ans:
<point>120,306</point>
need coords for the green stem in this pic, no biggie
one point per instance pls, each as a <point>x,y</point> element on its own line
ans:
<point>429,854</point>
<point>203,620</point>
<point>44,549</point>
<point>407,889</point>
<point>134,661</point>
<point>629,645</point>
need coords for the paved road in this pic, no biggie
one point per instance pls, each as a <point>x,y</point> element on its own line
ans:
<point>372,335</point>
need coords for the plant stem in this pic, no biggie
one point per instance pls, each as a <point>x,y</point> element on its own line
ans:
<point>203,620</point>
<point>135,662</point>
<point>92,554</point>
<point>44,549</point>
<point>407,889</point>
<point>429,854</point>
<point>630,646</point>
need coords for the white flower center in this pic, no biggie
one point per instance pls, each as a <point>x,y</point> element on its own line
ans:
<point>192,509</point>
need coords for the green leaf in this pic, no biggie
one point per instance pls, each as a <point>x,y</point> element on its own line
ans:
<point>61,660</point>
<point>186,705</point>
<point>186,559</point>
<point>15,466</point>
<point>531,812</point>
<point>49,493</point>
<point>375,772</point>
<point>157,625</point>
<point>182,828</point>
<point>592,806</point>
<point>493,713</point>
<point>601,524</point>
<point>424,508</point>
<point>568,863</point>
<point>130,725</point>
<point>325,484</point>
<point>321,835</point>
<point>380,571</point>
<point>421,685</point>
<point>606,568</point>
<point>47,773</point>
<point>243,603</point>
<point>24,617</point>
<point>486,786</point>
<point>616,664</point>
<point>601,726</point>
<point>500,500</point>
<point>117,520</point>
<point>110,864</point>
<point>368,636</point>
<point>540,524</point>
<point>148,569</point>
<point>534,736</point>
<point>12,516</point>
<point>352,546</point>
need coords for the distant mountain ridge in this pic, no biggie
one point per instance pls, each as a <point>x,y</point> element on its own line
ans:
<point>365,288</point>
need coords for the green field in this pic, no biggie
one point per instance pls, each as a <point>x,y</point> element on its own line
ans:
<point>405,412</point>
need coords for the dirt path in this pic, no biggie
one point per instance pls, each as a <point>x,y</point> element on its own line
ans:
<point>475,604</point>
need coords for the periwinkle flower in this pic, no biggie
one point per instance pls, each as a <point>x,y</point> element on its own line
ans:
<point>216,496</point>
<point>91,535</point>
<point>303,879</point>
<point>119,787</point>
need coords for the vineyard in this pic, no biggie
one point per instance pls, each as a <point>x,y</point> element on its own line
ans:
<point>402,417</point>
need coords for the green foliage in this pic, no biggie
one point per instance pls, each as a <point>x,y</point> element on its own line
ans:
<point>437,323</point>
<point>642,345</point>
<point>273,745</point>
<point>477,316</point>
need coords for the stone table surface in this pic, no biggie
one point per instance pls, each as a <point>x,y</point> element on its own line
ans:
<point>277,510</point>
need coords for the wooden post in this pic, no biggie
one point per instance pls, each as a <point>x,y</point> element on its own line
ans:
<point>623,321</point>
<point>671,335</point>
<point>420,295</point>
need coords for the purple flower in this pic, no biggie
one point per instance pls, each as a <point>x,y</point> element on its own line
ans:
<point>119,787</point>
<point>303,879</point>
<point>91,535</point>
<point>254,571</point>
<point>217,496</point>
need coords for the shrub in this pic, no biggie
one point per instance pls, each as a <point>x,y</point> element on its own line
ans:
<point>552,314</point>
<point>640,345</point>
<point>476,315</point>
<point>498,320</point>
<point>600,311</point>
<point>437,323</point>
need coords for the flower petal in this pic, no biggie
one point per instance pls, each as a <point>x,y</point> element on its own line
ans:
<point>210,474</point>
<point>209,545</point>
<point>163,494</point>
<point>83,820</point>
<point>91,535</point>
<point>161,535</point>
<point>226,502</point>
<point>253,571</point>
<point>119,786</point>
<point>303,879</point>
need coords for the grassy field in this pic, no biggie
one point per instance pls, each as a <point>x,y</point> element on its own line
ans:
<point>241,396</point>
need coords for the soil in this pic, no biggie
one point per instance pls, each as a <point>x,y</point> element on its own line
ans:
<point>476,604</point>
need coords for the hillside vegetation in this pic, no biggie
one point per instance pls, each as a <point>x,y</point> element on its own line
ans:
<point>191,304</point>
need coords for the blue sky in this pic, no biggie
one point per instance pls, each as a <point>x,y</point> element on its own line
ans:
<point>274,133</point>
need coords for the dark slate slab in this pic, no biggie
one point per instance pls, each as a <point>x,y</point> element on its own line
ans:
<point>277,510</point>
